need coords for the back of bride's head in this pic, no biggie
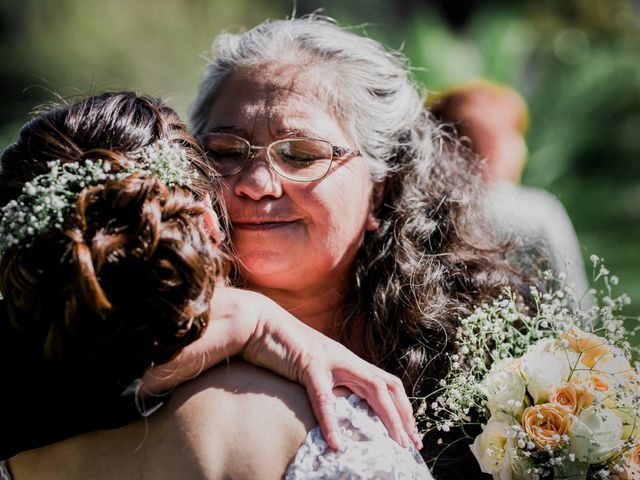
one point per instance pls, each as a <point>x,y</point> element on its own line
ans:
<point>105,257</point>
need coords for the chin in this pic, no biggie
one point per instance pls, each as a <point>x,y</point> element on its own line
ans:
<point>260,268</point>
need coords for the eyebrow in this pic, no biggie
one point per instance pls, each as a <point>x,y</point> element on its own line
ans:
<point>284,133</point>
<point>281,133</point>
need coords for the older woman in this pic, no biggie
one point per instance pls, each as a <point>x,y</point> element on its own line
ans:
<point>349,206</point>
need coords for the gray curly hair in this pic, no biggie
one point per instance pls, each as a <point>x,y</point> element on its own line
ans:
<point>433,258</point>
<point>369,89</point>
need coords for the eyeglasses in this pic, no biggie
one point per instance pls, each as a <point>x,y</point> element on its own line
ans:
<point>298,159</point>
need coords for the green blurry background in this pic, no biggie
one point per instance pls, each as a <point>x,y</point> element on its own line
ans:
<point>577,62</point>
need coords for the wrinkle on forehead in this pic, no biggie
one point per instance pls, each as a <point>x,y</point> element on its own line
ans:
<point>313,81</point>
<point>279,86</point>
<point>307,79</point>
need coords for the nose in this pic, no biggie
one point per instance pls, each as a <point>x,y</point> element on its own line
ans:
<point>257,179</point>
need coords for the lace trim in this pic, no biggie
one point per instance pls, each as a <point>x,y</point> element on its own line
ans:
<point>367,451</point>
<point>4,471</point>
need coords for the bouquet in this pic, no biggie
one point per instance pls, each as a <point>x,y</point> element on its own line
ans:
<point>554,389</point>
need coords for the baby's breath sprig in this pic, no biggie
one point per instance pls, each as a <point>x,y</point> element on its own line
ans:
<point>167,162</point>
<point>45,200</point>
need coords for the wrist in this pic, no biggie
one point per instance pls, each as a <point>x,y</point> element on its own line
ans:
<point>278,342</point>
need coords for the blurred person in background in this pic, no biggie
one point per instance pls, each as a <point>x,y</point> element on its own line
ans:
<point>492,119</point>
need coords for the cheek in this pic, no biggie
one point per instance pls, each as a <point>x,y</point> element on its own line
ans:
<point>225,190</point>
<point>340,211</point>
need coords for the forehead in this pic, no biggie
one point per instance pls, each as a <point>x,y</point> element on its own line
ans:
<point>280,99</point>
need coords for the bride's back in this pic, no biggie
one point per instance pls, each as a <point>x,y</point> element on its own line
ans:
<point>234,421</point>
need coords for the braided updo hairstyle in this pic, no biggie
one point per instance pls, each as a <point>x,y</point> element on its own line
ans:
<point>127,281</point>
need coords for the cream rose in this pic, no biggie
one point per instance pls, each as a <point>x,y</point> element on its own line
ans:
<point>595,435</point>
<point>505,388</point>
<point>546,424</point>
<point>493,447</point>
<point>543,371</point>
<point>613,362</point>
<point>572,397</point>
<point>545,345</point>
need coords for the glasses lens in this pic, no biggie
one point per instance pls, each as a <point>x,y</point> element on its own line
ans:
<point>301,159</point>
<point>227,153</point>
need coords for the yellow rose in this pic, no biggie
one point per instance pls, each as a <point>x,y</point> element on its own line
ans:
<point>546,424</point>
<point>591,347</point>
<point>632,463</point>
<point>571,397</point>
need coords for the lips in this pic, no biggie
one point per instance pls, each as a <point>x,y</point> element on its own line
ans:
<point>262,224</point>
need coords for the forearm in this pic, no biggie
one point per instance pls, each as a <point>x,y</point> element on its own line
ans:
<point>249,324</point>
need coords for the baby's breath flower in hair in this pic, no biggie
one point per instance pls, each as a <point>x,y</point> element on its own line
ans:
<point>167,162</point>
<point>46,199</point>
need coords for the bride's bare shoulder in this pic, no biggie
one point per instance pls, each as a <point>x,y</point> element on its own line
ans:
<point>240,416</point>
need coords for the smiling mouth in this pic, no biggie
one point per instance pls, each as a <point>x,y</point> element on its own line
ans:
<point>262,225</point>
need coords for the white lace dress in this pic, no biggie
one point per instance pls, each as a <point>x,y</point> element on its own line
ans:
<point>4,471</point>
<point>367,451</point>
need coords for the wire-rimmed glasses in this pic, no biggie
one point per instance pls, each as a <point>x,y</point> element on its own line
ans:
<point>299,159</point>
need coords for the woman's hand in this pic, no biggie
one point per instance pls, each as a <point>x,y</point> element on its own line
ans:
<point>289,347</point>
<point>251,325</point>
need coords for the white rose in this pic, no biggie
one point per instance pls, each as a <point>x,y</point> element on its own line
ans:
<point>595,435</point>
<point>493,449</point>
<point>544,345</point>
<point>613,362</point>
<point>543,371</point>
<point>505,390</point>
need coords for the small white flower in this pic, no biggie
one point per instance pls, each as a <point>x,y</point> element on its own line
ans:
<point>45,199</point>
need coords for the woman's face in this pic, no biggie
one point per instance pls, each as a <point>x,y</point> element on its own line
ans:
<point>291,235</point>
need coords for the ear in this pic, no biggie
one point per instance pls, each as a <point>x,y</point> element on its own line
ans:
<point>211,223</point>
<point>377,195</point>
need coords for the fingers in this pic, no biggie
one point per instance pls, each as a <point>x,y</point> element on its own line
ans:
<point>386,396</point>
<point>384,393</point>
<point>322,403</point>
<point>403,405</point>
<point>379,398</point>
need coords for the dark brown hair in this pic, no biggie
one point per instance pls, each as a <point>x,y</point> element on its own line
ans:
<point>127,281</point>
